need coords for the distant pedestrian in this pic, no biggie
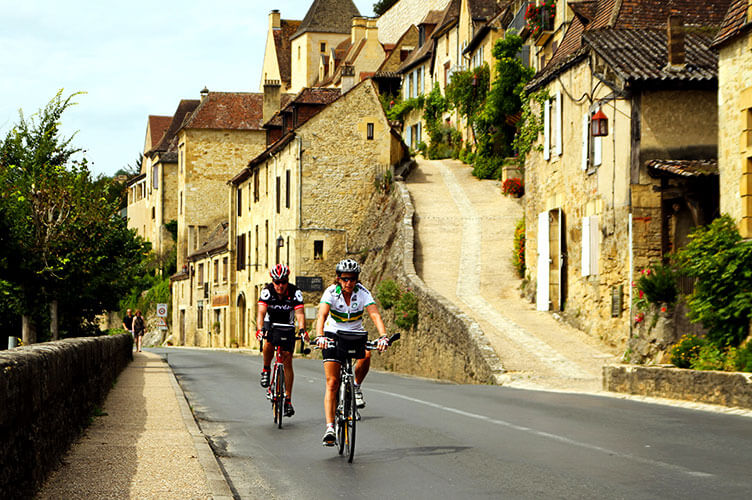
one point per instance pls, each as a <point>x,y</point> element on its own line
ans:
<point>128,321</point>
<point>138,329</point>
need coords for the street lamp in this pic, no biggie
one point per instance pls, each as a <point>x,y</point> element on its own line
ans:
<point>280,242</point>
<point>599,124</point>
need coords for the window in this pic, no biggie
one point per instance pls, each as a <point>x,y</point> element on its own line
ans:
<point>181,202</point>
<point>287,189</point>
<point>318,249</point>
<point>200,314</point>
<point>200,275</point>
<point>256,261</point>
<point>552,115</point>
<point>240,252</point>
<point>216,271</point>
<point>181,159</point>
<point>266,253</point>
<point>256,185</point>
<point>369,131</point>
<point>240,202</point>
<point>224,269</point>
<point>323,47</point>
<point>421,35</point>
<point>298,52</point>
<point>279,193</point>
<point>153,213</point>
<point>592,148</point>
<point>155,176</point>
<point>446,44</point>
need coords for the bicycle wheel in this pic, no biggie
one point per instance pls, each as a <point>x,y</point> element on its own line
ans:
<point>279,395</point>
<point>350,420</point>
<point>340,415</point>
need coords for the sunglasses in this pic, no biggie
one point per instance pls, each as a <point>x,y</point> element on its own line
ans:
<point>280,282</point>
<point>347,280</point>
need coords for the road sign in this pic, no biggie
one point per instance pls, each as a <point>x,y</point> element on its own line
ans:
<point>161,323</point>
<point>162,310</point>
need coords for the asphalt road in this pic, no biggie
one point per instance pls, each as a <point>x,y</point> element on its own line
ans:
<point>421,439</point>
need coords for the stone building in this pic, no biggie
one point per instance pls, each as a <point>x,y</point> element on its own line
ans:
<point>201,292</point>
<point>393,23</point>
<point>326,24</point>
<point>278,51</point>
<point>599,208</point>
<point>734,46</point>
<point>300,200</point>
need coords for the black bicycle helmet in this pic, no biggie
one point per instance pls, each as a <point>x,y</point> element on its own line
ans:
<point>348,266</point>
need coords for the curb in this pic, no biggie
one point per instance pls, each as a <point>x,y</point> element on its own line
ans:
<point>215,479</point>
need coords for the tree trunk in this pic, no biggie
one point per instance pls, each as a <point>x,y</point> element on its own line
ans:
<point>54,326</point>
<point>28,330</point>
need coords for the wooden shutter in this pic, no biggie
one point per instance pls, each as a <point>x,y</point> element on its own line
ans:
<point>547,130</point>
<point>558,123</point>
<point>585,261</point>
<point>542,292</point>
<point>597,151</point>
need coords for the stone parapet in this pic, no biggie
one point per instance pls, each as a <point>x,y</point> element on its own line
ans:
<point>721,388</point>
<point>48,393</point>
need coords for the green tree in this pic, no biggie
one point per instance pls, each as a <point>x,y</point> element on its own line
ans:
<point>382,6</point>
<point>69,252</point>
<point>467,93</point>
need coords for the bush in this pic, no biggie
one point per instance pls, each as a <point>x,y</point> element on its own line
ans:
<point>740,359</point>
<point>722,298</point>
<point>388,293</point>
<point>439,151</point>
<point>487,168</point>
<point>518,258</point>
<point>657,285</point>
<point>406,311</point>
<point>709,358</point>
<point>513,187</point>
<point>684,352</point>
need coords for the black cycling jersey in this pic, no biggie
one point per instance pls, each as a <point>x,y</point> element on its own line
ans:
<point>281,309</point>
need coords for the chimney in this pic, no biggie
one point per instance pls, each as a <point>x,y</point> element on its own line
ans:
<point>676,51</point>
<point>372,30</point>
<point>348,77</point>
<point>204,93</point>
<point>274,22</point>
<point>358,31</point>
<point>272,99</point>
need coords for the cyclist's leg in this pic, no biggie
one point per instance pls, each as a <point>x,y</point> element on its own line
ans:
<point>268,353</point>
<point>289,375</point>
<point>361,368</point>
<point>331,370</point>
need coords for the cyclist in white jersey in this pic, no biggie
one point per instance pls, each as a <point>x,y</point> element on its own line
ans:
<point>341,308</point>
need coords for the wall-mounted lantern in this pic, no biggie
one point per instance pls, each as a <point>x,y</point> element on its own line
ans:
<point>599,124</point>
<point>280,242</point>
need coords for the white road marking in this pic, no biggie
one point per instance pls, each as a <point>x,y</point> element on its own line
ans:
<point>548,435</point>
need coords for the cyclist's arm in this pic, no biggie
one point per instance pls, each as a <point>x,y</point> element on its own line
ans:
<point>321,319</point>
<point>373,311</point>
<point>300,317</point>
<point>260,315</point>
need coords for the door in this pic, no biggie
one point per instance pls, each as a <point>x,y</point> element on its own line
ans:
<point>544,263</point>
<point>241,334</point>
<point>555,257</point>
<point>181,340</point>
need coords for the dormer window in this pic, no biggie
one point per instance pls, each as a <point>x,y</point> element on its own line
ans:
<point>421,35</point>
<point>323,47</point>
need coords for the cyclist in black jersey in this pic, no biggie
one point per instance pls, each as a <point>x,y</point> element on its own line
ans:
<point>280,302</point>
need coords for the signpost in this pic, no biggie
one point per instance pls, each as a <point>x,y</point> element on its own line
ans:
<point>161,323</point>
<point>161,310</point>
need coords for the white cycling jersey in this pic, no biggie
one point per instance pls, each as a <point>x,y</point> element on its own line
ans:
<point>343,316</point>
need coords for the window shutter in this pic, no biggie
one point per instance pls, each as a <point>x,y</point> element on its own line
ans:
<point>547,131</point>
<point>585,246</point>
<point>558,123</point>
<point>544,264</point>
<point>595,238</point>
<point>597,148</point>
<point>585,140</point>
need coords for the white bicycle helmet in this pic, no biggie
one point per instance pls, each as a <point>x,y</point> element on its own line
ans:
<point>348,266</point>
<point>280,271</point>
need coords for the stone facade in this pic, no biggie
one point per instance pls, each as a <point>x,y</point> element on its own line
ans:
<point>598,190</point>
<point>300,202</point>
<point>735,136</point>
<point>306,56</point>
<point>395,21</point>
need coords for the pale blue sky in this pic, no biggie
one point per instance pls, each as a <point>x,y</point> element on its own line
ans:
<point>132,59</point>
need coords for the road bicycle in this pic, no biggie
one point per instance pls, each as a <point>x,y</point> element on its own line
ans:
<point>280,335</point>
<point>349,345</point>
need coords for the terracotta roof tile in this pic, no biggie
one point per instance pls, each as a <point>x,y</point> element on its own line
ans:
<point>229,110</point>
<point>483,10</point>
<point>433,17</point>
<point>734,24</point>
<point>450,15</point>
<point>685,168</point>
<point>641,55</point>
<point>316,95</point>
<point>157,127</point>
<point>654,13</point>
<point>284,47</point>
<point>184,109</point>
<point>328,16</point>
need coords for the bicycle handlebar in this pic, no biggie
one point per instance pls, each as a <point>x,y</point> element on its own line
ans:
<point>371,345</point>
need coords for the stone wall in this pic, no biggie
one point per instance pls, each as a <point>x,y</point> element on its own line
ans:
<point>400,16</point>
<point>48,392</point>
<point>446,344</point>
<point>721,388</point>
